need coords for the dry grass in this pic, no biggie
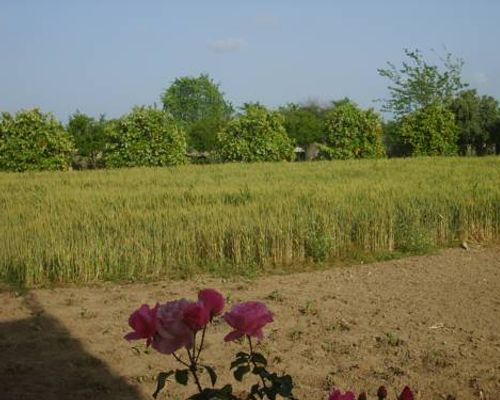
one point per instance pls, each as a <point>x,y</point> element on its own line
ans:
<point>239,218</point>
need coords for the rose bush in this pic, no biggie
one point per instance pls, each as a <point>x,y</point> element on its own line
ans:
<point>175,325</point>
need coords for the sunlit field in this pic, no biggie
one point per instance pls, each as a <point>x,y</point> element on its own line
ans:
<point>234,219</point>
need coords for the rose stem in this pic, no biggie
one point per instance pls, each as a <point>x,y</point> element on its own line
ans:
<point>201,343</point>
<point>192,368</point>
<point>251,357</point>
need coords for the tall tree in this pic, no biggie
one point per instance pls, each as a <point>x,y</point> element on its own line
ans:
<point>199,104</point>
<point>476,117</point>
<point>418,83</point>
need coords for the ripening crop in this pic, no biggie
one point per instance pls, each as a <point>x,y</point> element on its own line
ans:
<point>148,223</point>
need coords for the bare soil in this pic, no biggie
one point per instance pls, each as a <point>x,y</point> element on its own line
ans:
<point>432,322</point>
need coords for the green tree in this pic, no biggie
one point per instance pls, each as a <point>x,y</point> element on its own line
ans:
<point>395,146</point>
<point>255,135</point>
<point>304,122</point>
<point>476,117</point>
<point>89,137</point>
<point>430,131</point>
<point>495,136</point>
<point>418,84</point>
<point>145,137</point>
<point>199,104</point>
<point>32,140</point>
<point>352,132</point>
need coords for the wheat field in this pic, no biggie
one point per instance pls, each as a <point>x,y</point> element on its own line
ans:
<point>142,224</point>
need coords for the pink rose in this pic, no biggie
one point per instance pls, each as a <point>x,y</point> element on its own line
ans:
<point>172,332</point>
<point>247,319</point>
<point>143,322</point>
<point>213,301</point>
<point>406,394</point>
<point>337,395</point>
<point>196,316</point>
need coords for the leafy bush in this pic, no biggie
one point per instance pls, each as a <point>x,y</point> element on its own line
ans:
<point>89,137</point>
<point>32,140</point>
<point>256,135</point>
<point>145,137</point>
<point>352,132</point>
<point>430,131</point>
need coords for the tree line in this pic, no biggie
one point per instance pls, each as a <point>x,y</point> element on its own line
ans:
<point>433,112</point>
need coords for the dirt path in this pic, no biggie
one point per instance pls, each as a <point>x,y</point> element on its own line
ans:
<point>432,322</point>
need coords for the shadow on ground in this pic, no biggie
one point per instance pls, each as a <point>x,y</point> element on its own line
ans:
<point>40,360</point>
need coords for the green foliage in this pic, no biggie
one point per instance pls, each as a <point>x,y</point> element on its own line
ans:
<point>476,117</point>
<point>89,137</point>
<point>271,385</point>
<point>394,144</point>
<point>352,132</point>
<point>495,135</point>
<point>32,140</point>
<point>255,135</point>
<point>419,84</point>
<point>430,131</point>
<point>202,134</point>
<point>304,123</point>
<point>199,105</point>
<point>161,381</point>
<point>145,137</point>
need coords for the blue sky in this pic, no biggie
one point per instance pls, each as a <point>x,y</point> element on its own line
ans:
<point>105,56</point>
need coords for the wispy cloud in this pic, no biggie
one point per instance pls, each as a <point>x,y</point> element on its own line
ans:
<point>226,45</point>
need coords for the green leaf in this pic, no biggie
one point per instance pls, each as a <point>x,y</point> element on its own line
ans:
<point>270,393</point>
<point>240,372</point>
<point>259,359</point>
<point>225,392</point>
<point>255,390</point>
<point>181,376</point>
<point>285,386</point>
<point>206,394</point>
<point>238,361</point>
<point>242,354</point>
<point>211,372</point>
<point>261,371</point>
<point>161,381</point>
